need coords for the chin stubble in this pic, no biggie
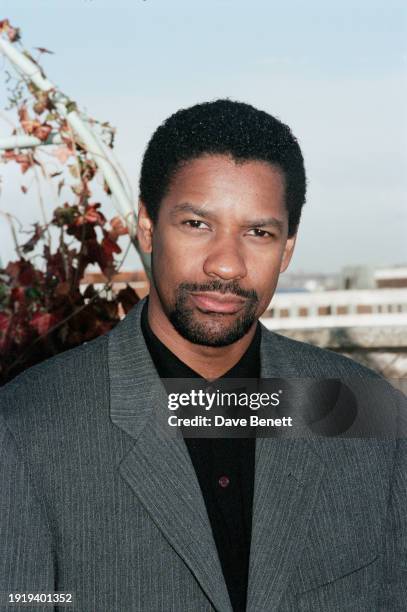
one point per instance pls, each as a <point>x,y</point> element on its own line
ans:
<point>216,332</point>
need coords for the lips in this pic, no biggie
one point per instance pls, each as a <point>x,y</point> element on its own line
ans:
<point>218,302</point>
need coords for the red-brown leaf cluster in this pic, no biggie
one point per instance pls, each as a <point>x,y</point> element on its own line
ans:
<point>44,312</point>
<point>12,33</point>
<point>25,160</point>
<point>33,127</point>
<point>44,309</point>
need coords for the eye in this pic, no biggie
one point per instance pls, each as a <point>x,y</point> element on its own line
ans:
<point>259,233</point>
<point>195,224</point>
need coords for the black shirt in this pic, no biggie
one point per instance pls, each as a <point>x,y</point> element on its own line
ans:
<point>224,468</point>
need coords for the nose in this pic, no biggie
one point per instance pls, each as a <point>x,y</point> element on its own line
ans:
<point>225,259</point>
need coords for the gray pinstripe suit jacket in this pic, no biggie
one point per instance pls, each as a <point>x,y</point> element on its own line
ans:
<point>95,503</point>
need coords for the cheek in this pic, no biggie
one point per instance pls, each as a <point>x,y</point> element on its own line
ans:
<point>265,263</point>
<point>264,279</point>
<point>174,262</point>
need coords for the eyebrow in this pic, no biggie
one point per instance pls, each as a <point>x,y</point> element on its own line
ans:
<point>202,212</point>
<point>277,223</point>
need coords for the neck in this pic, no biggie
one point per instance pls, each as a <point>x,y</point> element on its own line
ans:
<point>208,361</point>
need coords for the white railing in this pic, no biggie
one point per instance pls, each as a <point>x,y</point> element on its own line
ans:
<point>350,308</point>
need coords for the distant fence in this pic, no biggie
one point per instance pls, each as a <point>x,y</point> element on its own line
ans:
<point>381,347</point>
<point>350,308</point>
<point>368,325</point>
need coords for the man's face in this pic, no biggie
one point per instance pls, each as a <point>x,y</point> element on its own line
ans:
<point>218,247</point>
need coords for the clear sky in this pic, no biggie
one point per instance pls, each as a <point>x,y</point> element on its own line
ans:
<point>334,71</point>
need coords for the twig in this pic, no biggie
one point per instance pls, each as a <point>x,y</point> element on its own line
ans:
<point>49,179</point>
<point>126,252</point>
<point>62,246</point>
<point>41,200</point>
<point>13,231</point>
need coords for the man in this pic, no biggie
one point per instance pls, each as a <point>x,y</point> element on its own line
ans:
<point>97,501</point>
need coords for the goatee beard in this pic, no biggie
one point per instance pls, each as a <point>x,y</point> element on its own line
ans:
<point>216,332</point>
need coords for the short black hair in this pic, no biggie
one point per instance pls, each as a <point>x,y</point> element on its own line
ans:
<point>222,127</point>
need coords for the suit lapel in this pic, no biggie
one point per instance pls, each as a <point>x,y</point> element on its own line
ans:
<point>287,477</point>
<point>160,472</point>
<point>158,468</point>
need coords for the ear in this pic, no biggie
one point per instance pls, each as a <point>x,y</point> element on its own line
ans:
<point>145,228</point>
<point>288,252</point>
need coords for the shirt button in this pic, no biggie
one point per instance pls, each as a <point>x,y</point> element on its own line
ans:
<point>224,481</point>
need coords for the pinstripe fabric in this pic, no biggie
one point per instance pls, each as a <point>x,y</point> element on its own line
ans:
<point>94,500</point>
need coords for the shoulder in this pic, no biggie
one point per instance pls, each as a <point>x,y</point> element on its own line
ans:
<point>62,383</point>
<point>379,408</point>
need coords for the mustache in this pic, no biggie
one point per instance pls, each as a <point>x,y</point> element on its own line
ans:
<point>232,287</point>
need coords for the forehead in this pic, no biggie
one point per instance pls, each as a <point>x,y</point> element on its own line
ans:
<point>222,184</point>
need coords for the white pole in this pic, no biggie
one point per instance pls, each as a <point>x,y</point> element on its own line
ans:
<point>122,202</point>
<point>24,141</point>
<point>25,65</point>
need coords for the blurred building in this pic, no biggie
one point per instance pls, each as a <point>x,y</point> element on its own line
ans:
<point>366,277</point>
<point>365,317</point>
